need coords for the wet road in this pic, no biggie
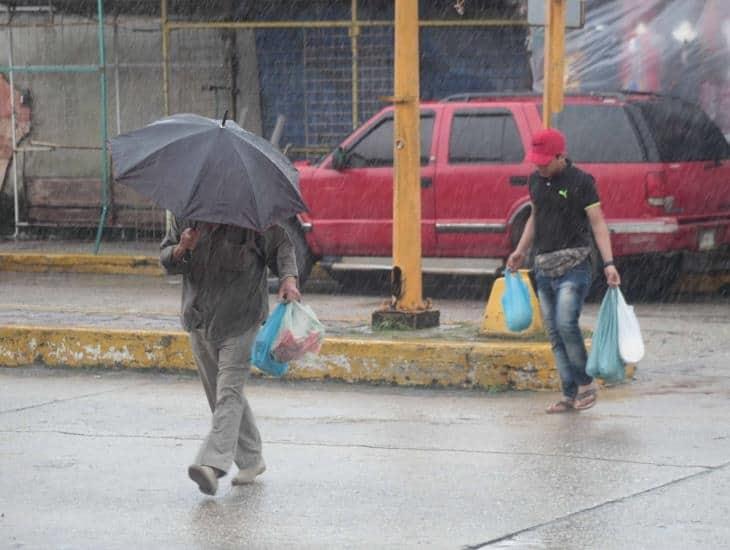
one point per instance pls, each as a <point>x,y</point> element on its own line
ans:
<point>97,459</point>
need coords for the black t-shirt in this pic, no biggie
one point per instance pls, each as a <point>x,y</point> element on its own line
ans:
<point>560,206</point>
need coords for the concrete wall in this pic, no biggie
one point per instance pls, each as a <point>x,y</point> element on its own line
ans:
<point>66,107</point>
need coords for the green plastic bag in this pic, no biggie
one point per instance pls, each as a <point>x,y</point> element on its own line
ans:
<point>605,361</point>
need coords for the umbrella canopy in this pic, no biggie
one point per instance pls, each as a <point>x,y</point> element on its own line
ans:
<point>207,170</point>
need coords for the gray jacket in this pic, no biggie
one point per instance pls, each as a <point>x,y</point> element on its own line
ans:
<point>224,279</point>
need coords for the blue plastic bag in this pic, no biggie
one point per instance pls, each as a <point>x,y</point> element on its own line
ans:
<point>261,351</point>
<point>516,304</point>
<point>605,361</point>
<point>300,334</point>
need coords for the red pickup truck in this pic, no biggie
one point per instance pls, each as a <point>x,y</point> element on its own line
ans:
<point>661,165</point>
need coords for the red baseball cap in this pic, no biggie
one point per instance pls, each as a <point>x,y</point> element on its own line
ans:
<point>546,145</point>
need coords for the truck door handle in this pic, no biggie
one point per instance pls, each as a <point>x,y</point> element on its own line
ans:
<point>518,180</point>
<point>426,183</point>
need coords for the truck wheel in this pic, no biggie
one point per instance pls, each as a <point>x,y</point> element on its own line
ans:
<point>650,278</point>
<point>598,281</point>
<point>517,229</point>
<point>305,259</point>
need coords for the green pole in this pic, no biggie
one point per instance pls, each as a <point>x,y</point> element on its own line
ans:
<point>50,69</point>
<point>104,127</point>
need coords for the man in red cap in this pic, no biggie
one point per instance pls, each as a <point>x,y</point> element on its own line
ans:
<point>566,211</point>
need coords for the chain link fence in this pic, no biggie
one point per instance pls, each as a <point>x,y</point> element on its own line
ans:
<point>306,72</point>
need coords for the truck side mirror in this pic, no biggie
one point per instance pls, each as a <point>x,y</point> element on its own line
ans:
<point>339,159</point>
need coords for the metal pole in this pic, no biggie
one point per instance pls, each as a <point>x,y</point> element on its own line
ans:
<point>165,78</point>
<point>165,57</point>
<point>116,77</point>
<point>553,84</point>
<point>547,67</point>
<point>407,190</point>
<point>52,69</point>
<point>354,34</point>
<point>14,158</point>
<point>104,127</point>
<point>340,23</point>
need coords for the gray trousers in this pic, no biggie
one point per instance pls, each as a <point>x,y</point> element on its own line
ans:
<point>224,367</point>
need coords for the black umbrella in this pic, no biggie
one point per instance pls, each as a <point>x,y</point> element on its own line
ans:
<point>208,170</point>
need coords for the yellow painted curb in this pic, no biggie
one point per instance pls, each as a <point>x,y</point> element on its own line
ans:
<point>88,347</point>
<point>489,365</point>
<point>703,283</point>
<point>34,262</point>
<point>40,262</point>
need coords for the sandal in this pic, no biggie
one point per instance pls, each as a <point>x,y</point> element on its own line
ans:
<point>562,406</point>
<point>585,400</point>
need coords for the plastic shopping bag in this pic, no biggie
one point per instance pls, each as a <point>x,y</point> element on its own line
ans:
<point>630,342</point>
<point>300,333</point>
<point>261,356</point>
<point>604,361</point>
<point>516,304</point>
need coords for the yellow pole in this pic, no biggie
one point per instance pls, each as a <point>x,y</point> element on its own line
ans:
<point>553,85</point>
<point>354,33</point>
<point>407,189</point>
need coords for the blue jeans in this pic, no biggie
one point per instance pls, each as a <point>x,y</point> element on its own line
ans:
<point>561,301</point>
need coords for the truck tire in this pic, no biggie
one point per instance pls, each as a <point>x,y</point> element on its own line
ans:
<point>598,281</point>
<point>305,258</point>
<point>518,226</point>
<point>651,278</point>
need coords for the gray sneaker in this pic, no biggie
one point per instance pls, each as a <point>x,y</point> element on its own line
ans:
<point>205,477</point>
<point>247,475</point>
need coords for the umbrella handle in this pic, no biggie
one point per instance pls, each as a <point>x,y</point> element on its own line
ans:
<point>225,116</point>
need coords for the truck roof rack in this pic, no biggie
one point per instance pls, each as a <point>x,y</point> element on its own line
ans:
<point>640,92</point>
<point>471,96</point>
<point>475,96</point>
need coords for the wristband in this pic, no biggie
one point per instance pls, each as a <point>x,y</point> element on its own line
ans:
<point>606,264</point>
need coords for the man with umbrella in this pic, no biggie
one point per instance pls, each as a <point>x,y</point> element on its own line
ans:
<point>228,190</point>
<point>224,301</point>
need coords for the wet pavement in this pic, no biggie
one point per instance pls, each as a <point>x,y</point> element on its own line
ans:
<point>97,459</point>
<point>62,245</point>
<point>153,303</point>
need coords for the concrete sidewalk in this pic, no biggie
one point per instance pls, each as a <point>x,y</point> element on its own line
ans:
<point>64,256</point>
<point>89,320</point>
<point>57,332</point>
<point>69,314</point>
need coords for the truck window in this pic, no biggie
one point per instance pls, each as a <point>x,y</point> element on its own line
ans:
<point>600,134</point>
<point>483,136</point>
<point>683,132</point>
<point>376,147</point>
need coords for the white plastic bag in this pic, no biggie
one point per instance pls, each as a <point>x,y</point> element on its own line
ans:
<point>630,342</point>
<point>300,333</point>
